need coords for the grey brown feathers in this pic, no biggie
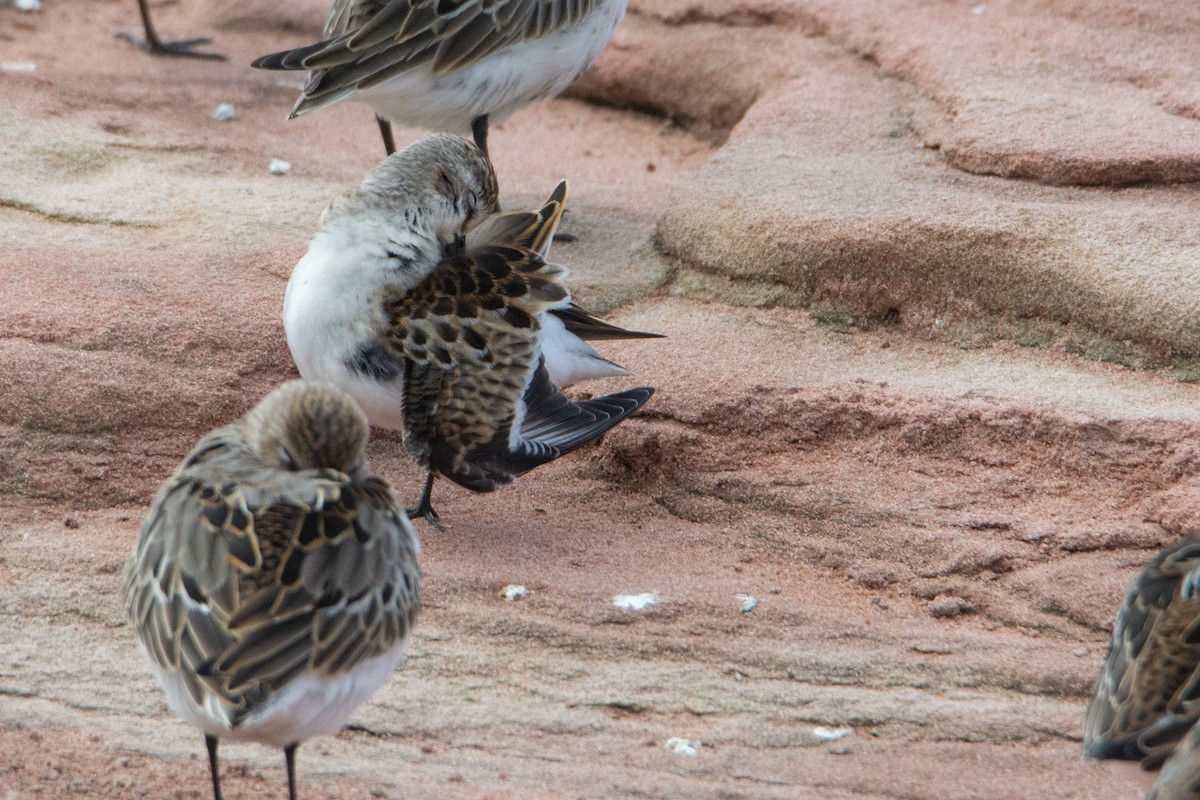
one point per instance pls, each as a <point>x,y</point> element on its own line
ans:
<point>446,319</point>
<point>1148,694</point>
<point>272,553</point>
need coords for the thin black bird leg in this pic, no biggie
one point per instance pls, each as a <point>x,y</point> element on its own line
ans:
<point>153,44</point>
<point>479,129</point>
<point>289,755</point>
<point>424,509</point>
<point>211,741</point>
<point>385,130</point>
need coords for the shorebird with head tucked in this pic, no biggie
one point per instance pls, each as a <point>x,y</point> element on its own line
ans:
<point>445,321</point>
<point>275,581</point>
<point>1148,694</point>
<point>449,65</point>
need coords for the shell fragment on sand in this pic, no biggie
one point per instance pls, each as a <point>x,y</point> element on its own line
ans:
<point>635,602</point>
<point>683,747</point>
<point>514,591</point>
<point>748,603</point>
<point>831,734</point>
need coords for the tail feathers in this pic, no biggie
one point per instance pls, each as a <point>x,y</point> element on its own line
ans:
<point>587,327</point>
<point>288,59</point>
<point>569,358</point>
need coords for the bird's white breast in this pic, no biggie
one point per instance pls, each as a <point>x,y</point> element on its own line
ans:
<point>310,704</point>
<point>333,306</point>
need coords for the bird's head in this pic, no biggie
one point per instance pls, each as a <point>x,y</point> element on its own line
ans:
<point>441,185</point>
<point>303,425</point>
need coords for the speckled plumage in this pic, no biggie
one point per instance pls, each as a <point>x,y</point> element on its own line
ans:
<point>1148,694</point>
<point>444,319</point>
<point>275,581</point>
<point>451,65</point>
<point>1180,776</point>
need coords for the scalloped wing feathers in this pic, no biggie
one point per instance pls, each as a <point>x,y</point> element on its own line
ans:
<point>245,576</point>
<point>1148,693</point>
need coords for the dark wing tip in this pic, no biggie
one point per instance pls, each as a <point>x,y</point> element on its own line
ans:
<point>557,424</point>
<point>589,328</point>
<point>288,59</point>
<point>271,61</point>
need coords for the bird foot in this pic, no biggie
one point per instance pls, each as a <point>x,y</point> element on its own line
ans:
<point>425,511</point>
<point>176,47</point>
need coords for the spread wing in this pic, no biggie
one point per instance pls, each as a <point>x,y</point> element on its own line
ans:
<point>468,335</point>
<point>367,43</point>
<point>244,578</point>
<point>1148,694</point>
<point>550,426</point>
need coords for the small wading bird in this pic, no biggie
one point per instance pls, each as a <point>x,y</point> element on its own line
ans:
<point>152,44</point>
<point>275,581</point>
<point>1147,700</point>
<point>448,65</point>
<point>445,321</point>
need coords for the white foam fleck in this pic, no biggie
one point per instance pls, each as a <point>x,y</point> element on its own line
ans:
<point>514,591</point>
<point>683,747</point>
<point>635,602</point>
<point>748,603</point>
<point>831,734</point>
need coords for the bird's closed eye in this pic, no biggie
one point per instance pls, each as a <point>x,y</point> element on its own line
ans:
<point>287,460</point>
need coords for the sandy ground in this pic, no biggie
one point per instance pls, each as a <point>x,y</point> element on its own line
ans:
<point>937,536</point>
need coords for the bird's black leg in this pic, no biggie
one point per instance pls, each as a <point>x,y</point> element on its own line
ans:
<point>385,130</point>
<point>424,509</point>
<point>479,129</point>
<point>289,755</point>
<point>211,741</point>
<point>153,44</point>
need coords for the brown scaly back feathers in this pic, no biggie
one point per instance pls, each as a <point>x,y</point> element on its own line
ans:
<point>251,567</point>
<point>1148,693</point>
